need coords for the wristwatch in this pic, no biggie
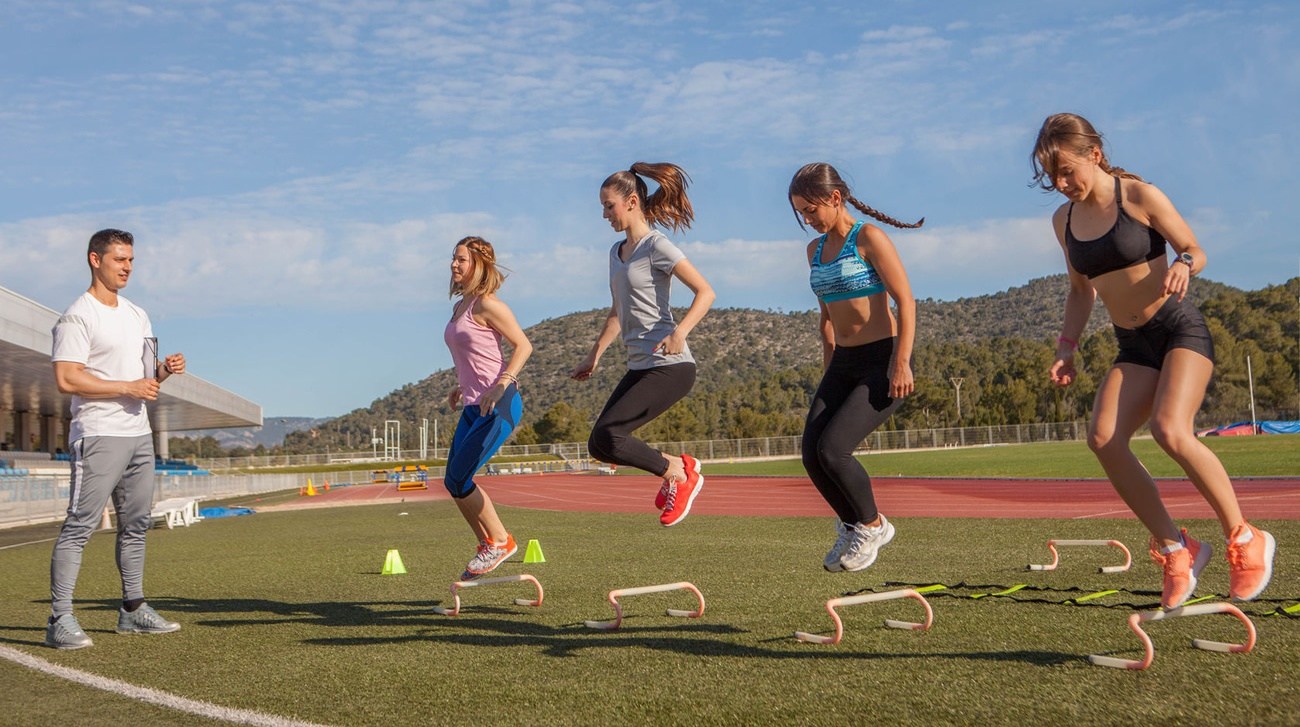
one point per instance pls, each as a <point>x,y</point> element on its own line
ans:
<point>1187,258</point>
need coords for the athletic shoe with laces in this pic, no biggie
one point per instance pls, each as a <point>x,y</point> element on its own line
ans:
<point>65,633</point>
<point>865,543</point>
<point>1250,562</point>
<point>489,556</point>
<point>844,533</point>
<point>661,499</point>
<point>144,620</point>
<point>1182,567</point>
<point>681,495</point>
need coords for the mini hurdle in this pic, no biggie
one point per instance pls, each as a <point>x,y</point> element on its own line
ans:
<point>455,592</point>
<point>1056,557</point>
<point>1136,620</point>
<point>618,608</point>
<point>869,598</point>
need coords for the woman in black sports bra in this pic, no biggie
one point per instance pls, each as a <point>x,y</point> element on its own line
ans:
<point>1113,231</point>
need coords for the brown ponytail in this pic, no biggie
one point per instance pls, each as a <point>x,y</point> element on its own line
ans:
<point>1073,134</point>
<point>669,206</point>
<point>815,182</point>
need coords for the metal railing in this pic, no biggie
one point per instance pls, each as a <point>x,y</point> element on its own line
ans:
<point>42,498</point>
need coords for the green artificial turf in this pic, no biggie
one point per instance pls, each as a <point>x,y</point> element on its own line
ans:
<point>287,613</point>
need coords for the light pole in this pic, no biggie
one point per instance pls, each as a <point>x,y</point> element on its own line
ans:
<point>956,383</point>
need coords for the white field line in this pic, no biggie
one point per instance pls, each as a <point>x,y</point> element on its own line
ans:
<point>152,696</point>
<point>1180,505</point>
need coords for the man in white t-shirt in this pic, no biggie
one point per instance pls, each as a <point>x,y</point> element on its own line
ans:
<point>105,356</point>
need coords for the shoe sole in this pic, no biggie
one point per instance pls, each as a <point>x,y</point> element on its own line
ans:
<point>131,632</point>
<point>1194,577</point>
<point>70,647</point>
<point>889,536</point>
<point>1270,549</point>
<point>699,485</point>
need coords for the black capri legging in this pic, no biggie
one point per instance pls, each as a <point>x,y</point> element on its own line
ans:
<point>640,396</point>
<point>851,402</point>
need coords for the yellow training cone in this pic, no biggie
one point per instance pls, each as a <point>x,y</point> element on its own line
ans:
<point>534,553</point>
<point>311,491</point>
<point>393,564</point>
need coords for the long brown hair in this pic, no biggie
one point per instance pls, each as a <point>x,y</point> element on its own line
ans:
<point>486,277</point>
<point>668,206</point>
<point>815,182</point>
<point>1067,133</point>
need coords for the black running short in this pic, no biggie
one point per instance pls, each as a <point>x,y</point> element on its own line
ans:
<point>1176,325</point>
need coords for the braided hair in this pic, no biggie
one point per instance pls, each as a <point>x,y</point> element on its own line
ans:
<point>486,277</point>
<point>815,182</point>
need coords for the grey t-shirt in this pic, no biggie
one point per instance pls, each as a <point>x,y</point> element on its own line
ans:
<point>640,291</point>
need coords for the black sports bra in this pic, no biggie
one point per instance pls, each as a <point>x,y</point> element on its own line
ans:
<point>1126,243</point>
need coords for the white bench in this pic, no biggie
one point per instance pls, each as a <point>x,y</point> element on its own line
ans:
<point>177,511</point>
<point>606,470</point>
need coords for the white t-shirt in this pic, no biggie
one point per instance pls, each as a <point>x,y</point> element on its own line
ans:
<point>110,343</point>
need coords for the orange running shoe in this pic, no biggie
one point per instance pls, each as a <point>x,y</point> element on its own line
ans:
<point>1182,567</point>
<point>1250,563</point>
<point>488,557</point>
<point>681,495</point>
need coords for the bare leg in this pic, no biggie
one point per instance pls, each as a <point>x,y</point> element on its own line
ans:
<point>1123,403</point>
<point>1183,381</point>
<point>676,468</point>
<point>478,511</point>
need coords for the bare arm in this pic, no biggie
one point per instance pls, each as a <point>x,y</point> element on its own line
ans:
<point>498,316</point>
<point>884,258</point>
<point>608,333</point>
<point>704,296</point>
<point>73,378</point>
<point>1078,308</point>
<point>827,332</point>
<point>1162,215</point>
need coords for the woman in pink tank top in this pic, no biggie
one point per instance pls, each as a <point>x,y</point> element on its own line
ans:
<point>487,389</point>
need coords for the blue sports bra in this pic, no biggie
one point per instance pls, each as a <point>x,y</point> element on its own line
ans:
<point>1126,243</point>
<point>847,276</point>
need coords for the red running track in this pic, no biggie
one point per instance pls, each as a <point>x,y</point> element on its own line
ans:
<point>1261,498</point>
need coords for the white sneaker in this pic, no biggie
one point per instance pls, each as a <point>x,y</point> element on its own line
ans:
<point>865,544</point>
<point>832,560</point>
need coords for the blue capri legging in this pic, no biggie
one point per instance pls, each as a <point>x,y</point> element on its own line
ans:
<point>478,437</point>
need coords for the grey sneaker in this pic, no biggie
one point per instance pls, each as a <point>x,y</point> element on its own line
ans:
<point>865,544</point>
<point>832,560</point>
<point>66,633</point>
<point>144,620</point>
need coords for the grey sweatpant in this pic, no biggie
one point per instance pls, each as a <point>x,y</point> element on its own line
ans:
<point>103,467</point>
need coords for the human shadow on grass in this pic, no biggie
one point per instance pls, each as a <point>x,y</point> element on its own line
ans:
<point>697,639</point>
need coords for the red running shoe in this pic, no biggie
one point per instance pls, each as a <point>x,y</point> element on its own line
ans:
<point>681,495</point>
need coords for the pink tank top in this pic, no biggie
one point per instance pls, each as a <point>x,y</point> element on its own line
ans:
<point>476,353</point>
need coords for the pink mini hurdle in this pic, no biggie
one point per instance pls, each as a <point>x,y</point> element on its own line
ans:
<point>1056,557</point>
<point>1199,609</point>
<point>832,604</point>
<point>618,609</point>
<point>455,592</point>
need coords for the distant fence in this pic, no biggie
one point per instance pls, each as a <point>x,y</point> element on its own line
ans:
<point>706,449</point>
<point>42,498</point>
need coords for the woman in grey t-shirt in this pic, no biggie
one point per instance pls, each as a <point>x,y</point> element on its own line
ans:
<point>660,368</point>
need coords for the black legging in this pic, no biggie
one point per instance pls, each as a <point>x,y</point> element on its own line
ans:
<point>640,396</point>
<point>851,401</point>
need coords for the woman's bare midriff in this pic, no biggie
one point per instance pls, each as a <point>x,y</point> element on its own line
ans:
<point>1134,294</point>
<point>859,321</point>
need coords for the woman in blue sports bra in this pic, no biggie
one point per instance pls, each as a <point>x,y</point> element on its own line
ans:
<point>1113,231</point>
<point>866,354</point>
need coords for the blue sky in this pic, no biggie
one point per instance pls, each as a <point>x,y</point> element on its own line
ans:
<point>296,173</point>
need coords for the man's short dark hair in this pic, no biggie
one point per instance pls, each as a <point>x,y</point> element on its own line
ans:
<point>102,240</point>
